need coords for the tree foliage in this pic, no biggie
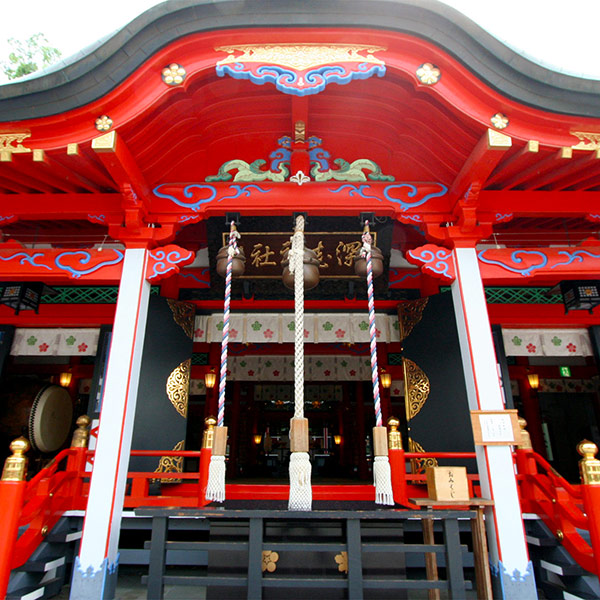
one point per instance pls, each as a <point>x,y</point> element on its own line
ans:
<point>28,56</point>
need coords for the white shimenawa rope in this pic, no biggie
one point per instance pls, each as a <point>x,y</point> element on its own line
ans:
<point>382,473</point>
<point>215,486</point>
<point>300,468</point>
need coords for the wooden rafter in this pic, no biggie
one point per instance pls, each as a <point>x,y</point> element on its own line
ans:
<point>482,161</point>
<point>120,163</point>
<point>39,172</point>
<point>540,168</point>
<point>87,168</point>
<point>517,162</point>
<point>573,167</point>
<point>50,166</point>
<point>9,172</point>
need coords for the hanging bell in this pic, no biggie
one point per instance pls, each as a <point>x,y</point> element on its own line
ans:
<point>238,263</point>
<point>360,263</point>
<point>311,270</point>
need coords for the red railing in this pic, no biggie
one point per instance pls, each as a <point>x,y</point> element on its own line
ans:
<point>64,485</point>
<point>559,504</point>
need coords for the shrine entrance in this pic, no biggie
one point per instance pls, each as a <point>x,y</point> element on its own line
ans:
<point>340,443</point>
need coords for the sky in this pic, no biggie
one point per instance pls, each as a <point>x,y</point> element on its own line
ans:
<point>561,35</point>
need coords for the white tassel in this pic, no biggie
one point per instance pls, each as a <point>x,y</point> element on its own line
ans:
<point>382,480</point>
<point>215,487</point>
<point>300,490</point>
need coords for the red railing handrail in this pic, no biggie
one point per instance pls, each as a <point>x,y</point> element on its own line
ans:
<point>545,485</point>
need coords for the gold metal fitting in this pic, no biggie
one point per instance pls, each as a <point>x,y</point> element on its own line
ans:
<point>81,436</point>
<point>589,465</point>
<point>103,123</point>
<point>428,74</point>
<point>173,75</point>
<point>15,466</point>
<point>44,531</point>
<point>209,432</point>
<point>394,436</point>
<point>525,437</point>
<point>560,535</point>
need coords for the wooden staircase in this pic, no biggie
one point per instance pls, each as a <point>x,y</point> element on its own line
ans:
<point>360,554</point>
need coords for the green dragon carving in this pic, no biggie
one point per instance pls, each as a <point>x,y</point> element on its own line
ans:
<point>351,171</point>
<point>248,172</point>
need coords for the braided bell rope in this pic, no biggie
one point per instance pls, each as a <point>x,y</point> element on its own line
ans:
<point>300,468</point>
<point>367,240</point>
<point>215,486</point>
<point>232,251</point>
<point>297,267</point>
<point>382,476</point>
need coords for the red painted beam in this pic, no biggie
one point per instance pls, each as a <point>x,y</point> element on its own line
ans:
<point>540,315</point>
<point>60,315</point>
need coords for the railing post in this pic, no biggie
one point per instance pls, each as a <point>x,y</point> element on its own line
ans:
<point>205,454</point>
<point>526,466</point>
<point>78,456</point>
<point>589,470</point>
<point>397,464</point>
<point>12,491</point>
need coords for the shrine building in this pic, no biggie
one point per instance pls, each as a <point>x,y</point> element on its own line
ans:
<point>304,293</point>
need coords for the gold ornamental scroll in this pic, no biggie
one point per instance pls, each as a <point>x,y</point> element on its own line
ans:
<point>409,315</point>
<point>171,464</point>
<point>178,387</point>
<point>417,388</point>
<point>184,314</point>
<point>419,465</point>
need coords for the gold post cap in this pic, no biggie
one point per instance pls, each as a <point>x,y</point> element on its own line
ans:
<point>525,437</point>
<point>81,435</point>
<point>15,466</point>
<point>394,437</point>
<point>393,423</point>
<point>19,446</point>
<point>208,438</point>
<point>587,449</point>
<point>589,465</point>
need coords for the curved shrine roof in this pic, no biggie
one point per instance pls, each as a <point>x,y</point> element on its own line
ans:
<point>88,78</point>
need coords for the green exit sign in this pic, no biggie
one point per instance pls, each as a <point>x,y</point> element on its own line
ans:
<point>565,371</point>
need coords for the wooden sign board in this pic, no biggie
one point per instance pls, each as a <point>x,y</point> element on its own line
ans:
<point>335,252</point>
<point>447,483</point>
<point>496,427</point>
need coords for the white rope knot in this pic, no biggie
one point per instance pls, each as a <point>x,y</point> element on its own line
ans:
<point>382,480</point>
<point>300,489</point>
<point>215,487</point>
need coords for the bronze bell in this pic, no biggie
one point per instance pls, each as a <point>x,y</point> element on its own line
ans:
<point>360,263</point>
<point>311,270</point>
<point>237,266</point>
